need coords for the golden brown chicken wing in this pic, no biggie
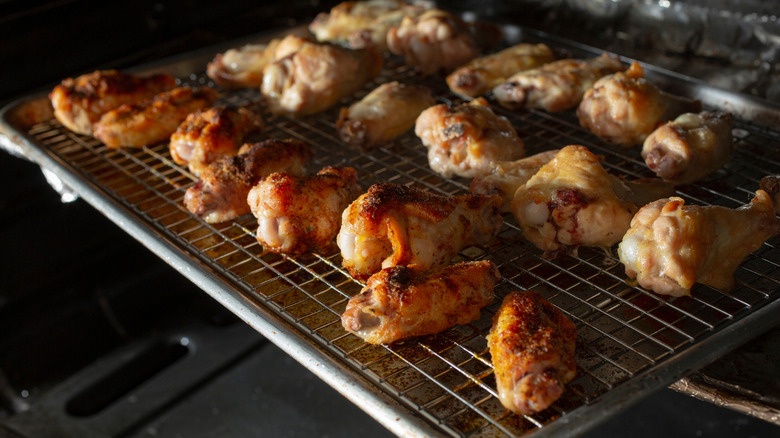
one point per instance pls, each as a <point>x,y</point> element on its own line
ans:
<point>78,103</point>
<point>242,67</point>
<point>532,346</point>
<point>398,225</point>
<point>401,302</point>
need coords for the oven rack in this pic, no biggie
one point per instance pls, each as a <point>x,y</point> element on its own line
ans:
<point>630,342</point>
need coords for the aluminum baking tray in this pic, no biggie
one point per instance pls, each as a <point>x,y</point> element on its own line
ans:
<point>630,342</point>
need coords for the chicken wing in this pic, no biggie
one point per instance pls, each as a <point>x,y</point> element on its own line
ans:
<point>437,41</point>
<point>242,67</point>
<point>398,225</point>
<point>467,140</point>
<point>572,201</point>
<point>556,86</point>
<point>383,114</point>
<point>298,214</point>
<point>532,346</point>
<point>624,108</point>
<point>315,76</point>
<point>78,103</point>
<point>481,75</point>
<point>153,120</point>
<point>671,246</point>
<point>208,134</point>
<point>221,193</point>
<point>690,147</point>
<point>401,302</point>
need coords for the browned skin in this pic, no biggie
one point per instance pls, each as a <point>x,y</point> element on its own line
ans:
<point>402,302</point>
<point>299,214</point>
<point>79,102</point>
<point>151,121</point>
<point>221,193</point>
<point>208,134</point>
<point>532,346</point>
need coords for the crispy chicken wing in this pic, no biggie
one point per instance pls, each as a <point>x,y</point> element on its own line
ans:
<point>671,246</point>
<point>481,75</point>
<point>572,201</point>
<point>690,147</point>
<point>208,134</point>
<point>242,67</point>
<point>532,346</point>
<point>384,114</point>
<point>153,120</point>
<point>401,302</point>
<point>78,103</point>
<point>221,193</point>
<point>315,76</point>
<point>299,214</point>
<point>467,140</point>
<point>556,86</point>
<point>398,225</point>
<point>624,108</point>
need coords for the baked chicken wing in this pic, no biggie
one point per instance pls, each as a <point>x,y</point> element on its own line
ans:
<point>383,114</point>
<point>79,102</point>
<point>624,108</point>
<point>468,139</point>
<point>221,193</point>
<point>690,147</point>
<point>671,246</point>
<point>482,74</point>
<point>299,214</point>
<point>401,302</point>
<point>532,346</point>
<point>242,67</point>
<point>398,225</point>
<point>556,86</point>
<point>151,121</point>
<point>208,134</point>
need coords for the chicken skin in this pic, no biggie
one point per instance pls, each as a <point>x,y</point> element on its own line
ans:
<point>80,102</point>
<point>532,346</point>
<point>671,246</point>
<point>467,140</point>
<point>402,302</point>
<point>383,114</point>
<point>242,67</point>
<point>153,120</point>
<point>315,76</point>
<point>299,214</point>
<point>572,201</point>
<point>221,193</point>
<point>208,134</point>
<point>398,225</point>
<point>690,147</point>
<point>557,86</point>
<point>624,108</point>
<point>482,74</point>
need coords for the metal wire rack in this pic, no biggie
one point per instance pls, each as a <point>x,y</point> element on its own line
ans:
<point>625,334</point>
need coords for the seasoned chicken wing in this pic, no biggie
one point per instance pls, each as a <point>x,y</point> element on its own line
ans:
<point>671,246</point>
<point>384,114</point>
<point>242,67</point>
<point>532,346</point>
<point>690,147</point>
<point>556,86</point>
<point>437,41</point>
<point>221,193</point>
<point>315,76</point>
<point>208,134</point>
<point>79,102</point>
<point>467,140</point>
<point>572,201</point>
<point>153,120</point>
<point>299,214</point>
<point>402,302</point>
<point>482,74</point>
<point>624,108</point>
<point>398,225</point>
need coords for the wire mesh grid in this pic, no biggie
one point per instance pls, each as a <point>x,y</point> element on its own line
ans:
<point>622,331</point>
